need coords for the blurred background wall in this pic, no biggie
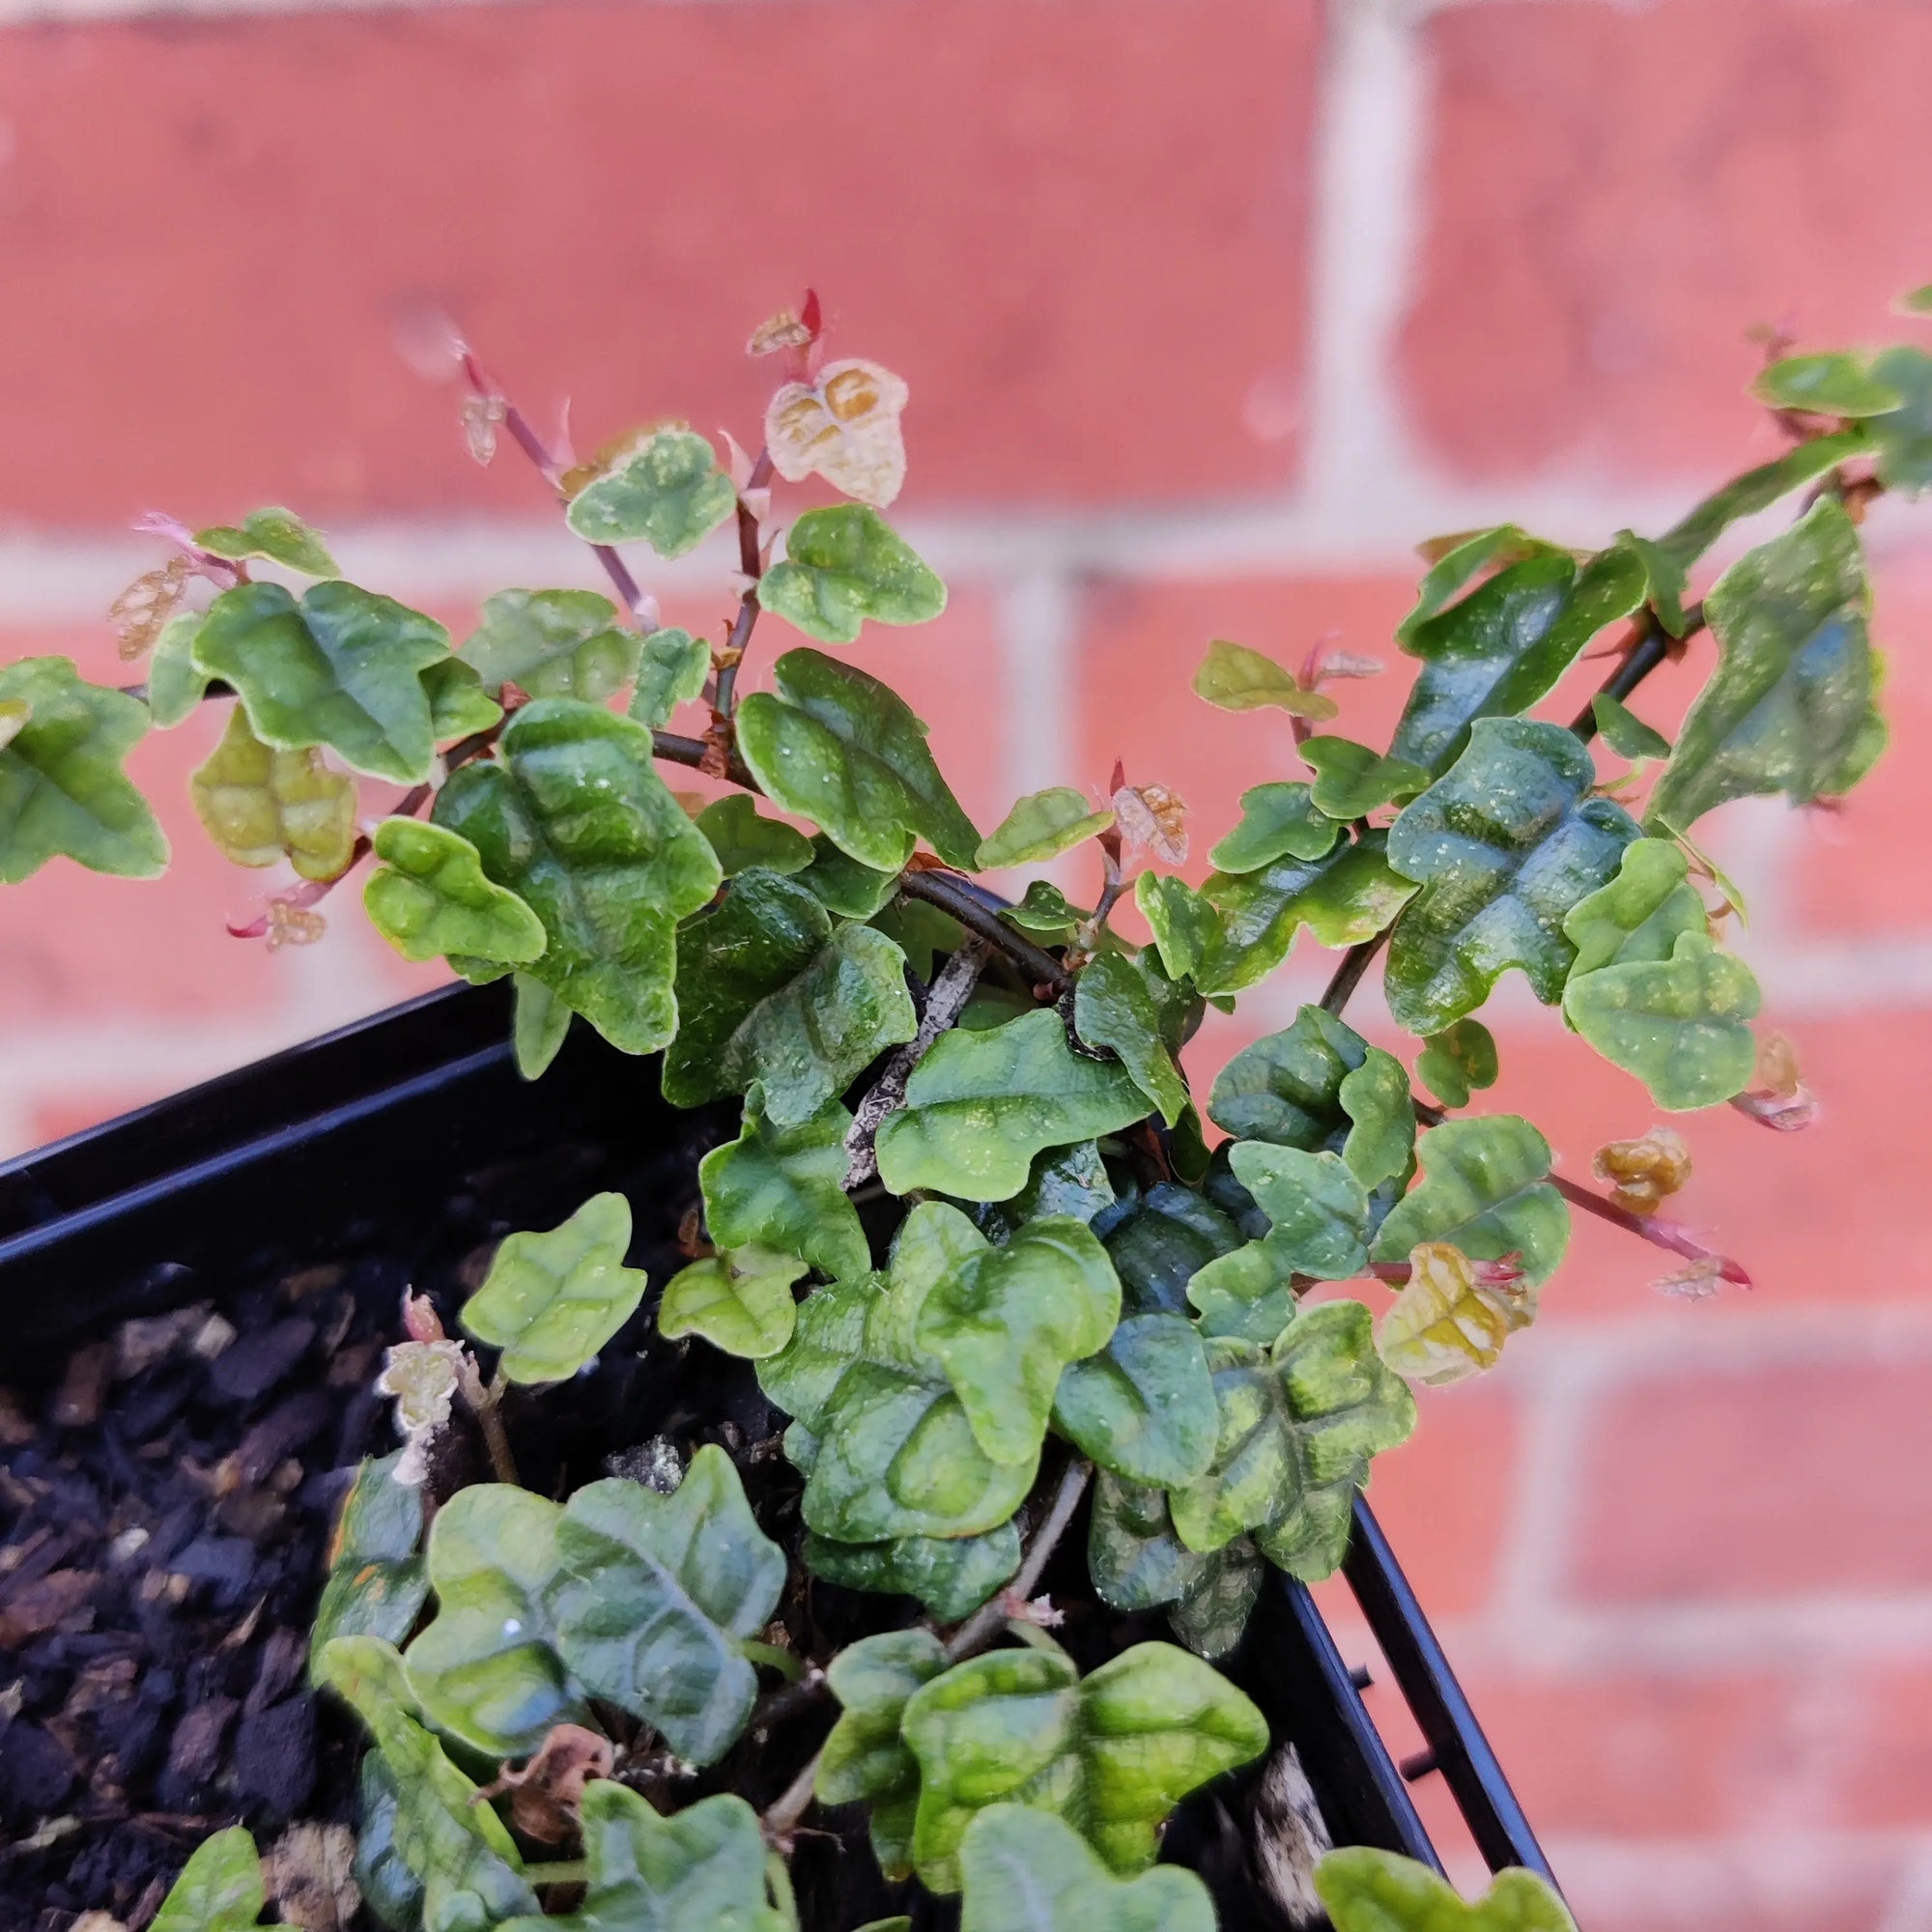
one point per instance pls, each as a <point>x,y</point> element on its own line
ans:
<point>1210,309</point>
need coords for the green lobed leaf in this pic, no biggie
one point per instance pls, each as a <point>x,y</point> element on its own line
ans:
<point>1046,911</point>
<point>376,1582</point>
<point>260,806</point>
<point>1247,1295</point>
<point>175,687</point>
<point>1344,898</point>
<point>846,887</point>
<point>1756,489</point>
<point>1640,913</point>
<point>666,489</point>
<point>1186,926</point>
<point>1504,845</point>
<point>1381,1111</point>
<point>951,1576</point>
<point>1133,1555</point>
<point>542,1021</point>
<point>220,1889</point>
<point>1834,384</point>
<point>390,1891</point>
<point>1792,706</point>
<point>672,668</point>
<point>1320,1211</point>
<point>783,1188</point>
<point>1162,1240</point>
<point>768,990</point>
<point>740,1301</point>
<point>1287,1086</point>
<point>701,1870</point>
<point>1211,1617</point>
<point>458,703</point>
<point>551,1300</point>
<point>1369,1890</point>
<point>1025,1871</point>
<point>1113,1007</point>
<point>865,1761</point>
<point>1236,678</point>
<point>828,1338</point>
<point>838,748</point>
<point>1486,1190</point>
<point>1461,560</point>
<point>1902,440</point>
<point>1111,1753</point>
<point>1064,1180</point>
<point>429,897</point>
<point>574,819</point>
<point>846,563</point>
<point>1682,1025</point>
<point>552,643</point>
<point>342,668</point>
<point>1462,1058</point>
<point>1668,581</point>
<point>1624,732</point>
<point>1278,821</point>
<point>979,1106</point>
<point>1042,826</point>
<point>276,533</point>
<point>743,837</point>
<point>1350,780</point>
<point>1143,1405</point>
<point>63,793</point>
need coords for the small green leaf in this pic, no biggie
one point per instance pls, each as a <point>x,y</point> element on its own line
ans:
<point>429,897</point>
<point>458,703</point>
<point>391,1892</point>
<point>376,1582</point>
<point>1640,913</point>
<point>1134,1557</point>
<point>342,668</point>
<point>542,1021</point>
<point>1462,1058</point>
<point>574,819</point>
<point>742,837</point>
<point>1211,1617</point>
<point>1042,826</point>
<point>1025,1871</point>
<point>1344,898</point>
<point>1350,780</point>
<point>1382,1140</point>
<point>1144,1406</point>
<point>1792,706</point>
<point>1064,1181</point>
<point>1158,1247</point>
<point>552,643</point>
<point>1287,1086</point>
<point>843,565</point>
<point>63,793</point>
<point>1915,301</point>
<point>656,1593</point>
<point>672,668</point>
<point>1756,489</point>
<point>1247,1295</point>
<point>1624,732</point>
<point>1667,578</point>
<point>1830,384</point>
<point>838,748</point>
<point>1506,645</point>
<point>1046,911</point>
<point>1111,1753</point>
<point>701,1870</point>
<point>261,806</point>
<point>784,1188</point>
<point>1113,1007</point>
<point>1237,679</point>
<point>1369,1890</point>
<point>1278,821</point>
<point>1504,845</point>
<point>1486,1190</point>
<point>865,1760</point>
<point>279,534</point>
<point>979,1106</point>
<point>664,489</point>
<point>1902,440</point>
<point>740,1302</point>
<point>175,687</point>
<point>551,1300</point>
<point>1186,926</point>
<point>951,1576</point>
<point>1461,560</point>
<point>767,990</point>
<point>220,1889</point>
<point>842,884</point>
<point>1682,1025</point>
<point>828,1338</point>
<point>1318,1209</point>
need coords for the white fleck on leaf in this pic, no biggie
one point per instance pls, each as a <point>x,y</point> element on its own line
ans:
<point>845,427</point>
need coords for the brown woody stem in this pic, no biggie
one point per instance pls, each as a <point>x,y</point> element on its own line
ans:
<point>949,892</point>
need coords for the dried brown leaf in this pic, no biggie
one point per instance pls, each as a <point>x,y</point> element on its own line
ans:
<point>1153,818</point>
<point>844,426</point>
<point>1645,1171</point>
<point>547,1793</point>
<point>147,603</point>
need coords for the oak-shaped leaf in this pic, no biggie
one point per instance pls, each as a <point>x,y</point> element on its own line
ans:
<point>743,837</point>
<point>429,897</point>
<point>219,1890</point>
<point>1113,1007</point>
<point>701,1870</point>
<point>1318,1209</point>
<point>260,806</point>
<point>538,1027</point>
<point>1248,1293</point>
<point>1461,1059</point>
<point>740,1300</point>
<point>784,1188</point>
<point>552,643</point>
<point>276,533</point>
<point>1455,562</point>
<point>1279,820</point>
<point>551,1300</point>
<point>951,1576</point>
<point>1682,1025</point>
<point>376,1582</point>
<point>340,668</point>
<point>1506,643</point>
<point>656,1595</point>
<point>664,489</point>
<point>1236,678</point>
<point>865,1760</point>
<point>828,1338</point>
<point>672,668</point>
<point>1184,925</point>
<point>1504,845</point>
<point>980,1105</point>
<point>1111,1753</point>
<point>1211,1616</point>
<point>1756,489</point>
<point>843,565</point>
<point>573,818</point>
<point>1792,706</point>
<point>1143,1405</point>
<point>1350,780</point>
<point>844,425</point>
<point>458,703</point>
<point>768,990</point>
<point>1136,1559</point>
<point>63,793</point>
<point>175,686</point>
<point>1484,1189</point>
<point>1453,1315</point>
<point>1024,1870</point>
<point>1043,825</point>
<point>839,747</point>
<point>1831,383</point>
<point>1300,1422</point>
<point>1344,897</point>
<point>1640,914</point>
<point>1159,1241</point>
<point>1369,1890</point>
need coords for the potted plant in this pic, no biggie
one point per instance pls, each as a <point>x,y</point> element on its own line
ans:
<point>996,1372</point>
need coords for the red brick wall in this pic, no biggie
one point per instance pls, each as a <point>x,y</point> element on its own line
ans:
<point>1209,312</point>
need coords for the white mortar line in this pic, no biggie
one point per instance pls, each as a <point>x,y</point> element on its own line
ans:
<point>1038,617</point>
<point>1708,1879</point>
<point>1910,1907</point>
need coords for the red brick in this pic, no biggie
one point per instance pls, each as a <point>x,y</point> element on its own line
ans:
<point>1077,230</point>
<point>1735,1888</point>
<point>1588,269</point>
<point>1889,1778</point>
<point>1725,1486</point>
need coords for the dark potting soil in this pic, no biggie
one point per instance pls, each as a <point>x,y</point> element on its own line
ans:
<point>166,1498</point>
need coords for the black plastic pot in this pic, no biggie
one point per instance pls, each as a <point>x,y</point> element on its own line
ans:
<point>129,1218</point>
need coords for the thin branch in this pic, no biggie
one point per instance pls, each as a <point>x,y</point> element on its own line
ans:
<point>979,1629</point>
<point>949,892</point>
<point>751,564</point>
<point>674,748</point>
<point>1348,973</point>
<point>1651,1228</point>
